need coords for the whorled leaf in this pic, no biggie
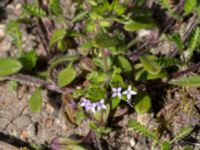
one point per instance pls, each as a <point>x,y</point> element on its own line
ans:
<point>165,145</point>
<point>189,6</point>
<point>182,133</point>
<point>34,10</point>
<point>167,61</point>
<point>193,42</point>
<point>141,129</point>
<point>55,7</point>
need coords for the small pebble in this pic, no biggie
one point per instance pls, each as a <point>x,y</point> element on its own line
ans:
<point>132,142</point>
<point>3,123</point>
<point>31,130</point>
<point>24,135</point>
<point>22,121</point>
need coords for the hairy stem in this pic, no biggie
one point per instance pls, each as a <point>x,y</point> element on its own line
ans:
<point>32,81</point>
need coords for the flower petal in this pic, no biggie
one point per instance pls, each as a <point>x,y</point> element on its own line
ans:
<point>114,94</point>
<point>133,92</point>
<point>114,89</point>
<point>128,96</point>
<point>119,95</point>
<point>119,89</point>
<point>125,92</point>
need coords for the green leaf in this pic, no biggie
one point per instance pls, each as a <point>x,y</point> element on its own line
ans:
<point>105,23</point>
<point>12,85</point>
<point>34,10</point>
<point>99,62</point>
<point>166,145</point>
<point>14,30</point>
<point>29,60</point>
<point>117,80</point>
<point>79,16</point>
<point>92,125</point>
<point>90,26</point>
<point>187,81</point>
<point>182,133</point>
<point>124,64</point>
<point>54,6</point>
<point>115,102</point>
<point>136,25</point>
<point>35,102</point>
<point>60,143</point>
<point>95,93</point>
<point>87,45</point>
<point>144,75</point>
<point>80,115</point>
<point>167,61</point>
<point>142,103</point>
<point>177,39</point>
<point>189,6</point>
<point>141,129</point>
<point>96,77</point>
<point>78,93</point>
<point>166,4</point>
<point>102,40</point>
<point>66,76</point>
<point>117,7</point>
<point>9,66</point>
<point>57,36</point>
<point>75,147</point>
<point>193,41</point>
<point>150,65</point>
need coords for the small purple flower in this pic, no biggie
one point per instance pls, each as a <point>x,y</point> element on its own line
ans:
<point>117,92</point>
<point>84,102</point>
<point>100,105</point>
<point>88,105</point>
<point>129,93</point>
<point>91,107</point>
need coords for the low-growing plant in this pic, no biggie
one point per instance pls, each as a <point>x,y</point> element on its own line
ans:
<point>107,66</point>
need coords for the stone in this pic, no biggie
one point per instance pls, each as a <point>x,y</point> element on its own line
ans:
<point>24,135</point>
<point>31,129</point>
<point>22,121</point>
<point>132,142</point>
<point>3,123</point>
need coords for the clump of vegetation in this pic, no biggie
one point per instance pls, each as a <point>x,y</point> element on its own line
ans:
<point>102,57</point>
